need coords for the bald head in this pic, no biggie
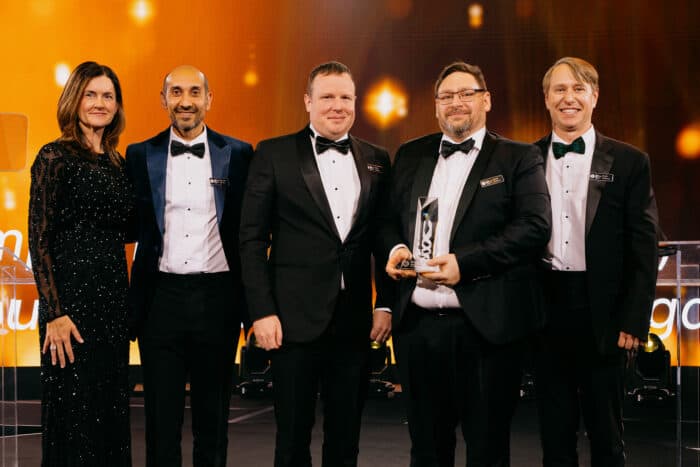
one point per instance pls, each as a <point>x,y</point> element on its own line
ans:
<point>186,71</point>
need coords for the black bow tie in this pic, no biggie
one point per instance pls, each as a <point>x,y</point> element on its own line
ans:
<point>324,144</point>
<point>559,149</point>
<point>447,148</point>
<point>177,148</point>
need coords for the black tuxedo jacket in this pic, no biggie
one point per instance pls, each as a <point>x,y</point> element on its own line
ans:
<point>286,210</point>
<point>501,226</point>
<point>146,164</point>
<point>621,246</point>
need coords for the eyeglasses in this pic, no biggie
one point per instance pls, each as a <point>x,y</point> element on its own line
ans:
<point>464,95</point>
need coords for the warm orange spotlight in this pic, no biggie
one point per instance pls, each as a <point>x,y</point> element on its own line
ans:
<point>61,72</point>
<point>385,103</point>
<point>141,11</point>
<point>476,15</point>
<point>688,141</point>
<point>250,78</point>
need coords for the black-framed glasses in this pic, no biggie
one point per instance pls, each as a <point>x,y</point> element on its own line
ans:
<point>464,95</point>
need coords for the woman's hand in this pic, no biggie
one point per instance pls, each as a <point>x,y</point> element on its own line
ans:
<point>58,340</point>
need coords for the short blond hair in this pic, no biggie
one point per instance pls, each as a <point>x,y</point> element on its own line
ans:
<point>581,69</point>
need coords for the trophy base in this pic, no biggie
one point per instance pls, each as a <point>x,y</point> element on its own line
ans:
<point>421,267</point>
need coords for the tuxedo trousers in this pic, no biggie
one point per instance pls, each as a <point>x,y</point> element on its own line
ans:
<point>336,365</point>
<point>451,376</point>
<point>190,334</point>
<point>574,381</point>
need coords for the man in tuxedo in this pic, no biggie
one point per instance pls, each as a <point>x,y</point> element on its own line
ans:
<point>600,271</point>
<point>186,292</point>
<point>311,198</point>
<point>458,330</point>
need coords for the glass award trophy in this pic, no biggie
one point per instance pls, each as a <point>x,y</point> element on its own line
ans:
<point>424,238</point>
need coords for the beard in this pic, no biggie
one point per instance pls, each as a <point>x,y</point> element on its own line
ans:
<point>457,131</point>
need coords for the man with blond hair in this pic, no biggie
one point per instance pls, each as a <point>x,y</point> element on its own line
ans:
<point>600,271</point>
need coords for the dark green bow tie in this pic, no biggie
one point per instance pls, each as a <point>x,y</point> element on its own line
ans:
<point>559,149</point>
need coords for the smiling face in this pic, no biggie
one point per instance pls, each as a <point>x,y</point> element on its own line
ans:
<point>570,103</point>
<point>331,104</point>
<point>98,105</point>
<point>458,119</point>
<point>186,98</point>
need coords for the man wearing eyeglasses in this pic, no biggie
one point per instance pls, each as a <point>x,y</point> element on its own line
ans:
<point>458,330</point>
<point>600,277</point>
<point>312,198</point>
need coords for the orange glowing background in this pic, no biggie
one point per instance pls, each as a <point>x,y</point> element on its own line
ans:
<point>257,56</point>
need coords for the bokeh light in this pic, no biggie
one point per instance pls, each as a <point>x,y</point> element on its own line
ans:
<point>476,15</point>
<point>61,72</point>
<point>688,141</point>
<point>250,78</point>
<point>386,103</point>
<point>141,11</point>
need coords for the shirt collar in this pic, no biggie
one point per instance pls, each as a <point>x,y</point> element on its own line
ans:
<point>201,138</point>
<point>588,138</point>
<point>477,136</point>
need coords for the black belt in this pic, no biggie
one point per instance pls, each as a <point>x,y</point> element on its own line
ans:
<point>438,312</point>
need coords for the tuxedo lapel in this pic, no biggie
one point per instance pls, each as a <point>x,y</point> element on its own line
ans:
<point>365,184</point>
<point>220,155</point>
<point>543,144</point>
<point>421,182</point>
<point>472,183</point>
<point>601,164</point>
<point>312,177</point>
<point>156,165</point>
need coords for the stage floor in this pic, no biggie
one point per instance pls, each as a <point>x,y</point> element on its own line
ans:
<point>650,436</point>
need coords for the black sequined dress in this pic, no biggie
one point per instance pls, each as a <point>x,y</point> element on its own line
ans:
<point>78,214</point>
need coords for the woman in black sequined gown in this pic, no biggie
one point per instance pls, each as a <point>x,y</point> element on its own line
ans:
<point>79,210</point>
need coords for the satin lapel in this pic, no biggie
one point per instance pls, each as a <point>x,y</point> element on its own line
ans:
<point>312,178</point>
<point>543,144</point>
<point>472,183</point>
<point>220,154</point>
<point>156,164</point>
<point>421,182</point>
<point>601,163</point>
<point>365,184</point>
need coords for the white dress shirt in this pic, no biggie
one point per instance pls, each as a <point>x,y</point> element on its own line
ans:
<point>191,241</point>
<point>341,183</point>
<point>567,179</point>
<point>447,184</point>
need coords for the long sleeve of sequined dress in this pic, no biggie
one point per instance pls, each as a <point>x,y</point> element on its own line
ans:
<point>47,173</point>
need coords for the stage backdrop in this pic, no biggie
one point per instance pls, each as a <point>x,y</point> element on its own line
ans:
<point>257,56</point>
